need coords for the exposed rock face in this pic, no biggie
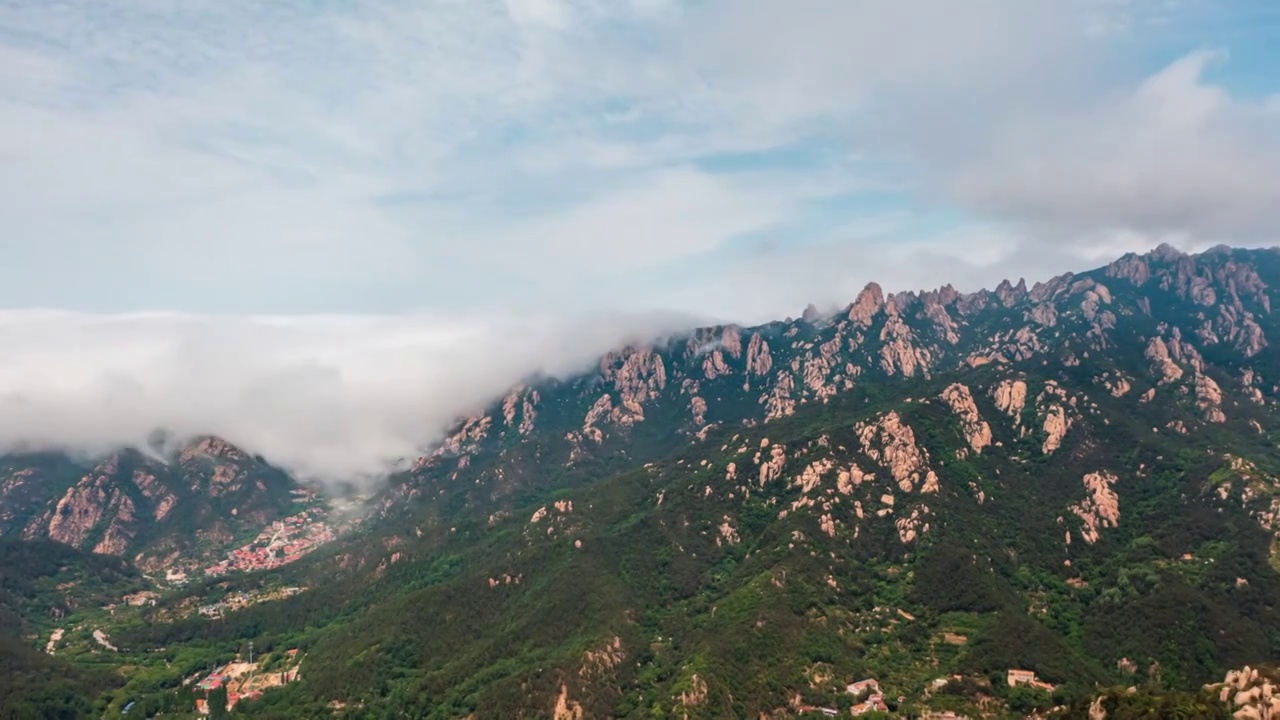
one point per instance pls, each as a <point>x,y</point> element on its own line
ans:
<point>1056,420</point>
<point>1045,314</point>
<point>899,354</point>
<point>466,439</point>
<point>599,411</point>
<point>771,467</point>
<point>778,402</point>
<point>1010,396</point>
<point>1055,428</point>
<point>641,376</point>
<point>1250,694</point>
<point>1209,399</point>
<point>976,431</point>
<point>759,361</point>
<point>714,365</point>
<point>728,533</point>
<point>1130,267</point>
<point>892,443</point>
<point>81,508</point>
<point>847,480</point>
<point>211,447</point>
<point>1166,369</point>
<point>519,402</point>
<point>935,311</point>
<point>120,532</point>
<point>529,414</point>
<point>1011,295</point>
<point>1118,387</point>
<point>599,662</point>
<point>731,341</point>
<point>1247,379</point>
<point>566,709</point>
<point>695,696</point>
<point>1101,507</point>
<point>155,491</point>
<point>698,407</point>
<point>130,502</point>
<point>869,303</point>
<point>913,525</point>
<point>509,406</point>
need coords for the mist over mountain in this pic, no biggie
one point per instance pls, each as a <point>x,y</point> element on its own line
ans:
<point>331,398</point>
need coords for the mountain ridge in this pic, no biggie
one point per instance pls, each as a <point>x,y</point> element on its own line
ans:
<point>1079,479</point>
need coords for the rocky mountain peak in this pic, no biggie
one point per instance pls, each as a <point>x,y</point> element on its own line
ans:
<point>1010,294</point>
<point>1164,252</point>
<point>867,305</point>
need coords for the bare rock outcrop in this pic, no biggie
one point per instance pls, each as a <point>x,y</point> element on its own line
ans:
<point>640,377</point>
<point>1249,694</point>
<point>566,709</point>
<point>1100,508</point>
<point>913,525</point>
<point>520,402</point>
<point>899,353</point>
<point>1053,403</point>
<point>1166,369</point>
<point>868,304</point>
<point>891,443</point>
<point>1209,399</point>
<point>121,530</point>
<point>698,407</point>
<point>1009,294</point>
<point>1056,424</point>
<point>759,361</point>
<point>1131,267</point>
<point>778,402</point>
<point>935,311</point>
<point>714,365</point>
<point>771,466</point>
<point>976,430</point>
<point>694,696</point>
<point>731,341</point>
<point>82,507</point>
<point>1010,396</point>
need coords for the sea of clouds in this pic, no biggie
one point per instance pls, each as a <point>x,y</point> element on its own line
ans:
<point>329,398</point>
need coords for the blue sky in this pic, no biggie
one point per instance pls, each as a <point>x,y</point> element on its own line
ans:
<point>733,158</point>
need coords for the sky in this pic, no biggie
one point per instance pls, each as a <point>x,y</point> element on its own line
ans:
<point>181,174</point>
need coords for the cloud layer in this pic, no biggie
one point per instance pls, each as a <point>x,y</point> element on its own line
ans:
<point>294,157</point>
<point>1175,155</point>
<point>331,398</point>
<point>452,169</point>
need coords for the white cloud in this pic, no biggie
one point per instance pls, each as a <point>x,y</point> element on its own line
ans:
<point>1176,155</point>
<point>331,398</point>
<point>282,156</point>
<point>737,158</point>
<point>550,13</point>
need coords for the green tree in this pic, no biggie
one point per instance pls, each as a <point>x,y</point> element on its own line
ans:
<point>218,702</point>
